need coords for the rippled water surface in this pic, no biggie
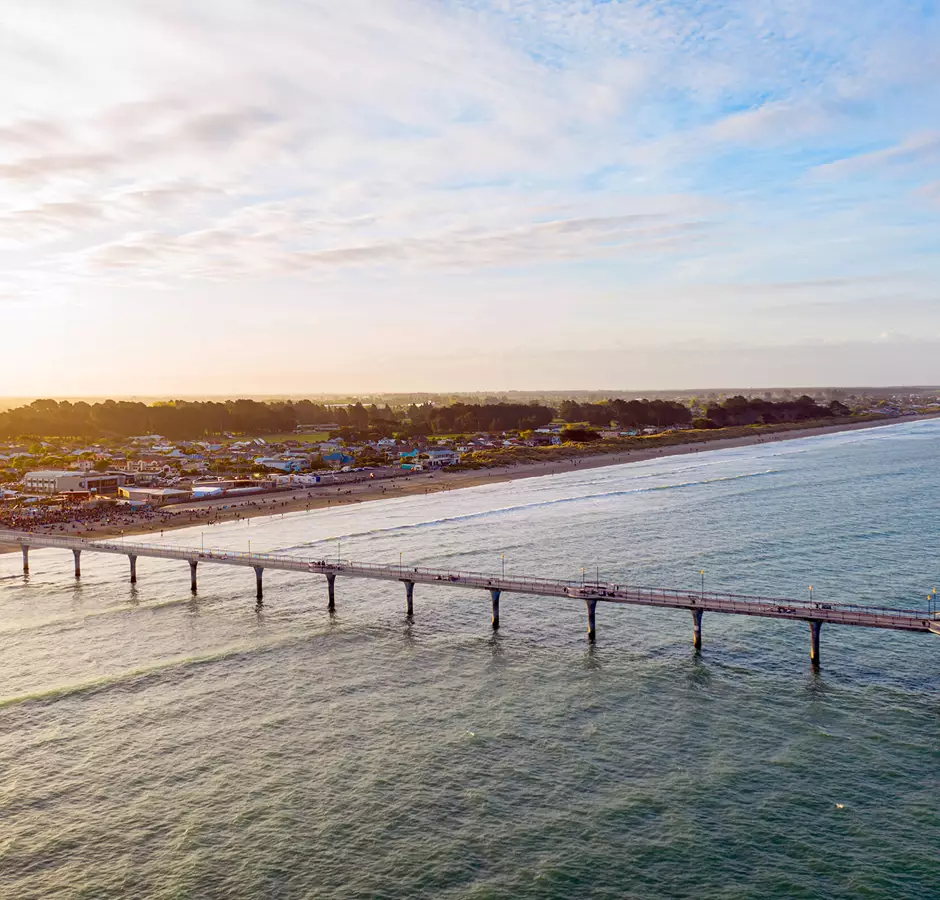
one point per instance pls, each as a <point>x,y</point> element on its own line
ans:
<point>157,745</point>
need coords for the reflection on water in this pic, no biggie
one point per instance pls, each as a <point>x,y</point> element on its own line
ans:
<point>159,744</point>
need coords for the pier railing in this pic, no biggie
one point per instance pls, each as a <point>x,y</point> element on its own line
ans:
<point>591,592</point>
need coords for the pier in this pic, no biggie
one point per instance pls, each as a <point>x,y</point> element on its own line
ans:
<point>816,614</point>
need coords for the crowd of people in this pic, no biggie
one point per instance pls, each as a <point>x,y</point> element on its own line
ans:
<point>75,519</point>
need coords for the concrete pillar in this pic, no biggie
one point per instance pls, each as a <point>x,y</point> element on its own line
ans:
<point>592,631</point>
<point>409,598</point>
<point>814,629</point>
<point>25,560</point>
<point>494,594</point>
<point>259,570</point>
<point>78,563</point>
<point>133,562</point>
<point>697,629</point>
<point>331,585</point>
<point>192,574</point>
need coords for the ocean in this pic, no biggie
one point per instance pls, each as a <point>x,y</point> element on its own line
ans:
<point>154,744</point>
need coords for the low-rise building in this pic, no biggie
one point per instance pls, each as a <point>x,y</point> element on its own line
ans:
<point>55,481</point>
<point>153,496</point>
<point>436,458</point>
<point>284,465</point>
<point>335,460</point>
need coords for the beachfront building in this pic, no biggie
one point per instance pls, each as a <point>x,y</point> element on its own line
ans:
<point>283,465</point>
<point>153,496</point>
<point>55,481</point>
<point>438,458</point>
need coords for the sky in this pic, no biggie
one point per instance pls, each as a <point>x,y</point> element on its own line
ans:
<point>236,196</point>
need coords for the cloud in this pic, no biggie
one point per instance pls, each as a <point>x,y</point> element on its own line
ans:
<point>256,147</point>
<point>55,164</point>
<point>48,220</point>
<point>930,192</point>
<point>221,253</point>
<point>917,150</point>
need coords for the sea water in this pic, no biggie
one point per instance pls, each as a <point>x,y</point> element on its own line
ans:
<point>156,744</point>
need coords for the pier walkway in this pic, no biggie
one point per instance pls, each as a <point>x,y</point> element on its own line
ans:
<point>592,593</point>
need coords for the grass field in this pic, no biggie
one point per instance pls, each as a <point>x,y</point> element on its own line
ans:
<point>314,437</point>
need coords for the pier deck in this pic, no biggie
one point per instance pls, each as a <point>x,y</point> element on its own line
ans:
<point>698,602</point>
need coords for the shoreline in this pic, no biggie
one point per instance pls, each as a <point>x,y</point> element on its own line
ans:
<point>310,499</point>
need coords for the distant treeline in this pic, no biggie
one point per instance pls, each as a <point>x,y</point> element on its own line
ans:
<point>742,411</point>
<point>736,410</point>
<point>191,420</point>
<point>626,413</point>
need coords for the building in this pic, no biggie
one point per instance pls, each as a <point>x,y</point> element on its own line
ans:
<point>335,460</point>
<point>153,496</point>
<point>284,465</point>
<point>437,458</point>
<point>55,481</point>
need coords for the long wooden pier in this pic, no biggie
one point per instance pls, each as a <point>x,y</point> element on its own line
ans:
<point>591,593</point>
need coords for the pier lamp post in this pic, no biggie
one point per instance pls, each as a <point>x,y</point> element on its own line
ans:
<point>582,576</point>
<point>502,560</point>
<point>810,593</point>
<point>399,563</point>
<point>249,549</point>
<point>702,573</point>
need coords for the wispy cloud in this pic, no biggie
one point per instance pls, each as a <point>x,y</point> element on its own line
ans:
<point>631,146</point>
<point>918,150</point>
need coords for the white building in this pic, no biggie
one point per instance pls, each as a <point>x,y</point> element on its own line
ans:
<point>154,496</point>
<point>54,481</point>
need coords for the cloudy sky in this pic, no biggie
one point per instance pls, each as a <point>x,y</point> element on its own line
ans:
<point>326,195</point>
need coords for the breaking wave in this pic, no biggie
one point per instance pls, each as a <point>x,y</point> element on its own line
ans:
<point>581,498</point>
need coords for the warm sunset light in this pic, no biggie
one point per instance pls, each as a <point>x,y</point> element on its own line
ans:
<point>414,195</point>
<point>469,449</point>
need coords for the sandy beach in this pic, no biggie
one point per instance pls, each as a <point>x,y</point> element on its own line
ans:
<point>327,496</point>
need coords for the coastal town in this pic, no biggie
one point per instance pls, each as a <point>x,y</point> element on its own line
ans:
<point>53,482</point>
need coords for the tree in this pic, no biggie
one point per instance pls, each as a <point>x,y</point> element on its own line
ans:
<point>579,435</point>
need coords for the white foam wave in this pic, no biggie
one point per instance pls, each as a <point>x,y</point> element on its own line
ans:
<point>581,498</point>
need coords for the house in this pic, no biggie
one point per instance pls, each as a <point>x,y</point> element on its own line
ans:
<point>283,465</point>
<point>338,459</point>
<point>438,458</point>
<point>543,439</point>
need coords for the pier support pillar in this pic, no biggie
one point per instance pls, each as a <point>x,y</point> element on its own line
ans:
<point>592,630</point>
<point>494,595</point>
<point>258,575</point>
<point>133,562</point>
<point>331,587</point>
<point>78,563</point>
<point>814,629</point>
<point>697,629</point>
<point>409,598</point>
<point>25,560</point>
<point>192,574</point>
